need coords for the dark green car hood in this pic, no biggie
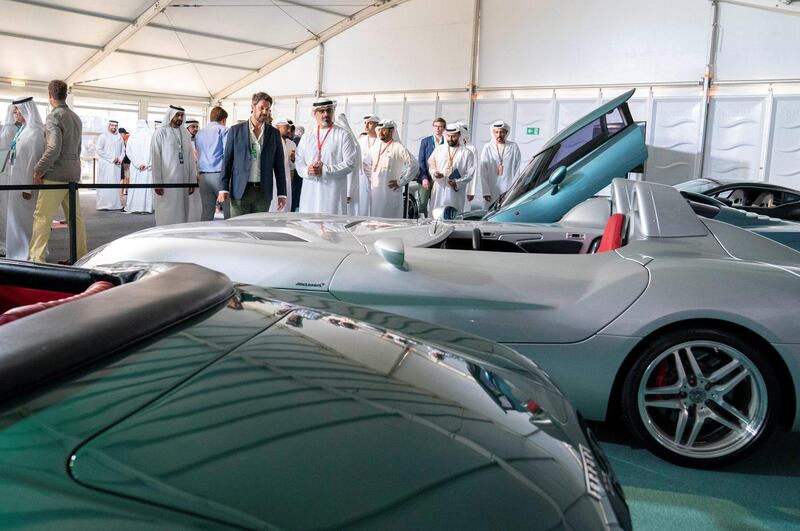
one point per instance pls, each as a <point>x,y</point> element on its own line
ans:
<point>303,413</point>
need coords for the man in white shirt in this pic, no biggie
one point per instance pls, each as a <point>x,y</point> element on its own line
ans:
<point>172,161</point>
<point>110,152</point>
<point>393,166</point>
<point>452,166</point>
<point>325,157</point>
<point>498,165</point>
<point>366,140</point>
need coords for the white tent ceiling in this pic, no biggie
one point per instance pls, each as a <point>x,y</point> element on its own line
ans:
<point>206,48</point>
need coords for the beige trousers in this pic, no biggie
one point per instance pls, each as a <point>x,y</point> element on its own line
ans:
<point>46,207</point>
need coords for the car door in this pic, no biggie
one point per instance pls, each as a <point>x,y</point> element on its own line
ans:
<point>594,150</point>
<point>507,297</point>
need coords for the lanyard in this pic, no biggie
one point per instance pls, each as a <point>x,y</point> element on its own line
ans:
<point>14,142</point>
<point>451,157</point>
<point>500,155</point>
<point>380,152</point>
<point>320,143</point>
<point>180,144</point>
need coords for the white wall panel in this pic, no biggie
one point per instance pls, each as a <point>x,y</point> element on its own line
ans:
<point>419,123</point>
<point>391,110</point>
<point>537,114</point>
<point>420,44</point>
<point>784,159</point>
<point>547,42</point>
<point>675,132</point>
<point>757,44</point>
<point>735,138</point>
<point>454,111</point>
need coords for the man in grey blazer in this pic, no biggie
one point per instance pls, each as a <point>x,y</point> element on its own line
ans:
<point>60,163</point>
<point>253,162</point>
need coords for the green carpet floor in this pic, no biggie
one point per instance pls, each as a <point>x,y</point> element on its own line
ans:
<point>761,493</point>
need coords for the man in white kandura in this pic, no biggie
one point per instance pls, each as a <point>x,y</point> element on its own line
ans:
<point>393,166</point>
<point>367,139</point>
<point>7,131</point>
<point>140,200</point>
<point>172,159</point>
<point>354,177</point>
<point>110,152</point>
<point>326,155</point>
<point>195,204</point>
<point>498,165</point>
<point>284,127</point>
<point>452,167</point>
<point>24,133</point>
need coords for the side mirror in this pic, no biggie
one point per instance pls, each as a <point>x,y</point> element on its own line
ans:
<point>557,177</point>
<point>445,213</point>
<point>393,251</point>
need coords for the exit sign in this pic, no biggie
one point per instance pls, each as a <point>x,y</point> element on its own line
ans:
<point>533,130</point>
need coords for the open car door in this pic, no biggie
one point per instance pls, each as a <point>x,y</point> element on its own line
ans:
<point>574,165</point>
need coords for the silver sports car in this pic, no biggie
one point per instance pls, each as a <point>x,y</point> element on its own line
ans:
<point>638,308</point>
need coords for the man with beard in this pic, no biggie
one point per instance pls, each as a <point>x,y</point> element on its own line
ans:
<point>325,157</point>
<point>498,165</point>
<point>367,139</point>
<point>172,161</point>
<point>254,162</point>
<point>110,153</point>
<point>26,145</point>
<point>393,166</point>
<point>452,166</point>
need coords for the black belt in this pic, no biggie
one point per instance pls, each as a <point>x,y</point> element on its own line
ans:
<point>204,172</point>
<point>254,185</point>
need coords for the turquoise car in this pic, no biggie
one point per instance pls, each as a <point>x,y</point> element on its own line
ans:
<point>574,165</point>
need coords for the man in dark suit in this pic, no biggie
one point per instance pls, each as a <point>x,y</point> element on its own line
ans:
<point>426,148</point>
<point>253,162</point>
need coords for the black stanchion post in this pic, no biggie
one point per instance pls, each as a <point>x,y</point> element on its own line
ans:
<point>73,230</point>
<point>405,201</point>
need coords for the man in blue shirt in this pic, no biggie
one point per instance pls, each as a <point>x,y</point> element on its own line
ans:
<point>210,145</point>
<point>426,147</point>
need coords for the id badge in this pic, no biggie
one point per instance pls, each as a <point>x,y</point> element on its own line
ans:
<point>180,156</point>
<point>253,152</point>
<point>500,170</point>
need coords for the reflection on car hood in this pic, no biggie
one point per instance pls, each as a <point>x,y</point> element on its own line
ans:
<point>338,416</point>
<point>342,231</point>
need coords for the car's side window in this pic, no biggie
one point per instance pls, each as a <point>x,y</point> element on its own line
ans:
<point>586,139</point>
<point>789,198</point>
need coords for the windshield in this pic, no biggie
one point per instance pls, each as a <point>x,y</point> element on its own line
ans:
<point>414,233</point>
<point>528,178</point>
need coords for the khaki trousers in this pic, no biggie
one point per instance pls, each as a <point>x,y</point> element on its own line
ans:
<point>46,207</point>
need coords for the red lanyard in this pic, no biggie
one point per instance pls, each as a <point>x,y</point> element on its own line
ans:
<point>500,155</point>
<point>380,152</point>
<point>319,143</point>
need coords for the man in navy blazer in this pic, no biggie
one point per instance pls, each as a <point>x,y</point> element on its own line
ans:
<point>253,162</point>
<point>426,147</point>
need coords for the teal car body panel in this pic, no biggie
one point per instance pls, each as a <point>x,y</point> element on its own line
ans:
<point>280,410</point>
<point>591,164</point>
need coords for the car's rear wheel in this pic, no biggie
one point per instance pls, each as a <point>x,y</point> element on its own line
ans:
<point>701,397</point>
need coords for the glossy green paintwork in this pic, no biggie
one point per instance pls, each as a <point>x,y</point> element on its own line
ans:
<point>267,415</point>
